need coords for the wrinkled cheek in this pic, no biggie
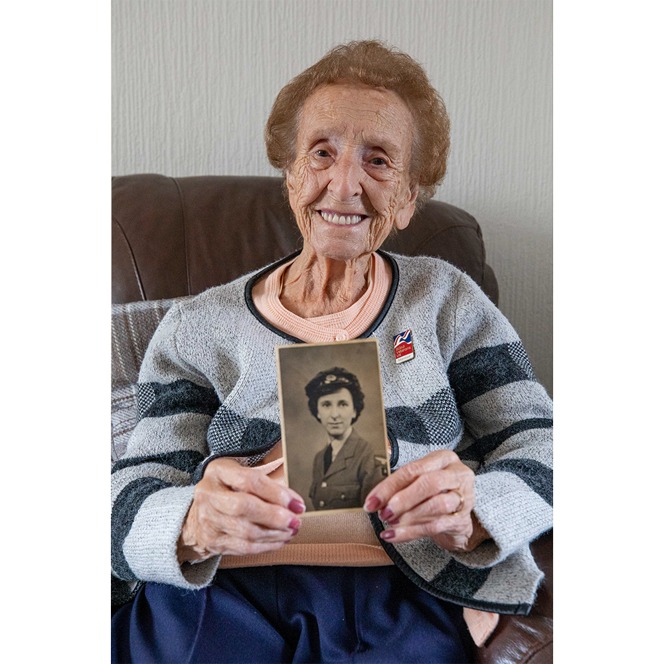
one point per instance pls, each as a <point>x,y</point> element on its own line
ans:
<point>383,225</point>
<point>380,229</point>
<point>303,196</point>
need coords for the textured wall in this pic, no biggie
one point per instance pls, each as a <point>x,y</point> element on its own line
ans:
<point>194,81</point>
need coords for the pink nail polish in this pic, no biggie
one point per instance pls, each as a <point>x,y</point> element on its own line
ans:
<point>387,534</point>
<point>371,504</point>
<point>294,524</point>
<point>393,522</point>
<point>386,514</point>
<point>296,506</point>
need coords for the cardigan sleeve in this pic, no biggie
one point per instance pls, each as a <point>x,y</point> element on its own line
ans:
<point>152,487</point>
<point>507,417</point>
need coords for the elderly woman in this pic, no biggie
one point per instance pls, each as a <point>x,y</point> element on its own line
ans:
<point>336,400</point>
<point>199,499</point>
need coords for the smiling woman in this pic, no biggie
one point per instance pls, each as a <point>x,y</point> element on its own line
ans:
<point>361,138</point>
<point>349,186</point>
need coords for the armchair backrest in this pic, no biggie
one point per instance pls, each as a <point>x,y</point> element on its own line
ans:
<point>179,236</point>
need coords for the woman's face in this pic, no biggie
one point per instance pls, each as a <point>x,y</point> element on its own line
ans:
<point>336,412</point>
<point>350,183</point>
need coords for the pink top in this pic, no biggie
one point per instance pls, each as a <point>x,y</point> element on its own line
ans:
<point>332,539</point>
<point>344,325</point>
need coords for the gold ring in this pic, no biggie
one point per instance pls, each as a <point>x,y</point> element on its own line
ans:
<point>461,501</point>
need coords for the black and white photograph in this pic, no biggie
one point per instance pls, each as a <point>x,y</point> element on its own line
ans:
<point>333,422</point>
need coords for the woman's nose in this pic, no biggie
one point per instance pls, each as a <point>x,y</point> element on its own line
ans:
<point>346,178</point>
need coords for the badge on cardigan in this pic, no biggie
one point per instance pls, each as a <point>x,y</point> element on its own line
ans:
<point>403,347</point>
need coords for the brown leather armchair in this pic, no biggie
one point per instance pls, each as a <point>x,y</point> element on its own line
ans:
<point>173,237</point>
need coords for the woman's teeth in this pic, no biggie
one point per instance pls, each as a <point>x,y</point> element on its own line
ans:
<point>342,219</point>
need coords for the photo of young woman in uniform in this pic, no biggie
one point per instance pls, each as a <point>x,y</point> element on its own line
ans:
<point>347,469</point>
<point>333,424</point>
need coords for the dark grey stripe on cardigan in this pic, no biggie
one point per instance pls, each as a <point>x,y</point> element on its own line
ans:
<point>235,435</point>
<point>482,447</point>
<point>125,508</point>
<point>460,580</point>
<point>185,460</point>
<point>535,474</point>
<point>485,369</point>
<point>439,590</point>
<point>435,422</point>
<point>180,396</point>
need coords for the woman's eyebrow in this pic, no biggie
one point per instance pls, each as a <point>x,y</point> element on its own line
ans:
<point>369,141</point>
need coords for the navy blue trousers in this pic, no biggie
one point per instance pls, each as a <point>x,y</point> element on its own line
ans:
<point>290,613</point>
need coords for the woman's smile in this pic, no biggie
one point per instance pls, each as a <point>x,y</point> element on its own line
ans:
<point>342,218</point>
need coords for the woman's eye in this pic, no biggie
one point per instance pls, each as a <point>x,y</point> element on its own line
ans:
<point>378,161</point>
<point>322,153</point>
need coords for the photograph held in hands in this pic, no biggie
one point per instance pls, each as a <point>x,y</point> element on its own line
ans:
<point>333,428</point>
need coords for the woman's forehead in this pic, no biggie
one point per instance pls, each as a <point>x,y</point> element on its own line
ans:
<point>372,114</point>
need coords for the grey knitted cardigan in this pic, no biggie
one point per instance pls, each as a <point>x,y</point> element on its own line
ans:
<point>207,388</point>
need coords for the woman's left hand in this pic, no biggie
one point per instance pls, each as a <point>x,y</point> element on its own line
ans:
<point>431,497</point>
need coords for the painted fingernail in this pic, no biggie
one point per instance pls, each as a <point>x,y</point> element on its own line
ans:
<point>295,532</point>
<point>393,522</point>
<point>294,524</point>
<point>386,514</point>
<point>296,506</point>
<point>371,504</point>
<point>387,534</point>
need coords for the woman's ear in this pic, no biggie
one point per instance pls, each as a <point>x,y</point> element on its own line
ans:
<point>289,181</point>
<point>408,210</point>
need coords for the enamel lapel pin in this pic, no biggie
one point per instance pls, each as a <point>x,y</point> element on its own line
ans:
<point>403,347</point>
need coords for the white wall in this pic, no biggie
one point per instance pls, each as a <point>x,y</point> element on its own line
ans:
<point>194,81</point>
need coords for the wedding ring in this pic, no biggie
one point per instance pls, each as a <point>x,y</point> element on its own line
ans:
<point>461,501</point>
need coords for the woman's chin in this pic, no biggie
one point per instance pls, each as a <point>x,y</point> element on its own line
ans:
<point>340,249</point>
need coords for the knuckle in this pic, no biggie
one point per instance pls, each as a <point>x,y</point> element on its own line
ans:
<point>432,527</point>
<point>441,503</point>
<point>450,456</point>
<point>253,481</point>
<point>434,481</point>
<point>245,530</point>
<point>253,548</point>
<point>234,503</point>
<point>410,470</point>
<point>216,468</point>
<point>444,524</point>
<point>244,547</point>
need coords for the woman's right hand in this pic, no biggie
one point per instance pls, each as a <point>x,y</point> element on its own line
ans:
<point>238,511</point>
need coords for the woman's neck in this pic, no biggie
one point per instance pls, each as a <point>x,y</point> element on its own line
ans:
<point>315,286</point>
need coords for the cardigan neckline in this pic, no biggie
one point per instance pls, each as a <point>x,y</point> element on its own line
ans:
<point>253,280</point>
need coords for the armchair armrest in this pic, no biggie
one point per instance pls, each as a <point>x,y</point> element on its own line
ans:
<point>527,639</point>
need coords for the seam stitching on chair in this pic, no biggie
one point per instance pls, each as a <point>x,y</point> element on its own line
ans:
<point>532,653</point>
<point>184,233</point>
<point>133,259</point>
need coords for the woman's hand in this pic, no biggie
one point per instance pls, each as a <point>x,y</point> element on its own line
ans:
<point>238,511</point>
<point>431,497</point>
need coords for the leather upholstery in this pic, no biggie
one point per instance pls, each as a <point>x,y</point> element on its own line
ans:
<point>178,236</point>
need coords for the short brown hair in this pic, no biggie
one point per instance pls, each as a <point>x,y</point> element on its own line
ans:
<point>377,65</point>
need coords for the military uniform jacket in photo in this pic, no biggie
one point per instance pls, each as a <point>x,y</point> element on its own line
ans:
<point>349,479</point>
<point>208,388</point>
